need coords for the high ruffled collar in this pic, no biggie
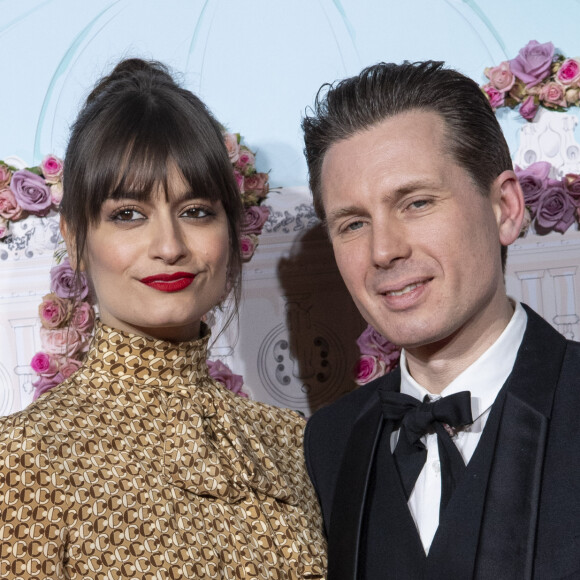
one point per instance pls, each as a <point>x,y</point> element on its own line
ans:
<point>150,361</point>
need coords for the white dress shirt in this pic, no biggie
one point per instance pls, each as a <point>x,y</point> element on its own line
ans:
<point>484,379</point>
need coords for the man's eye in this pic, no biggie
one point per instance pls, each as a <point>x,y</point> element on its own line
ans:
<point>354,226</point>
<point>419,203</point>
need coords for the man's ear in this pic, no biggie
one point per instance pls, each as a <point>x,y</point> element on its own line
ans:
<point>71,247</point>
<point>509,206</point>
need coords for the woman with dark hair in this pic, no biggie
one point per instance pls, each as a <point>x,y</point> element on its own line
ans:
<point>140,465</point>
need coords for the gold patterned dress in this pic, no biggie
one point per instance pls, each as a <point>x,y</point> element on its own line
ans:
<point>142,466</point>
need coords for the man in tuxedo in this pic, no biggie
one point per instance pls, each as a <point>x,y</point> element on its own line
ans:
<point>464,462</point>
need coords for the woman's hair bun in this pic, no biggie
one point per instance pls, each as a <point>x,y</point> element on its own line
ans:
<point>134,71</point>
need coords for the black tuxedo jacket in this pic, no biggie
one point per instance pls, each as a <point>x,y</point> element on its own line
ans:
<point>515,514</point>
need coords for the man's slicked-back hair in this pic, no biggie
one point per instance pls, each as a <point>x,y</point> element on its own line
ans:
<point>473,135</point>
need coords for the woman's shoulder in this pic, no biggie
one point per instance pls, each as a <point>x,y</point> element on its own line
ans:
<point>49,418</point>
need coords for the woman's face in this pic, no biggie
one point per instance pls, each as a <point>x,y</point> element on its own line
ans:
<point>158,266</point>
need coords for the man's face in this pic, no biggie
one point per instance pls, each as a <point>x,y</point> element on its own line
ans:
<point>417,244</point>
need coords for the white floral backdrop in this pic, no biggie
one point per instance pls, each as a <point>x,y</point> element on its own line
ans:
<point>258,65</point>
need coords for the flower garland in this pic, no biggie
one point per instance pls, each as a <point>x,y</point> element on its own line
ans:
<point>551,204</point>
<point>66,314</point>
<point>30,191</point>
<point>538,77</point>
<point>378,356</point>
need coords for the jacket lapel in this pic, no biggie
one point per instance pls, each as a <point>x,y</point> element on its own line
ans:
<point>351,488</point>
<point>508,531</point>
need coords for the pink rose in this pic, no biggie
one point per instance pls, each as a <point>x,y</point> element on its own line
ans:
<point>501,77</point>
<point>51,168</point>
<point>533,63</point>
<point>3,228</point>
<point>239,180</point>
<point>569,71</point>
<point>44,364</point>
<point>54,311</point>
<point>529,108</point>
<point>63,342</point>
<point>248,245</point>
<point>56,193</point>
<point>68,366</point>
<point>5,175</point>
<point>31,192</point>
<point>9,208</point>
<point>44,384</point>
<point>254,219</point>
<point>223,374</point>
<point>552,95</point>
<point>257,183</point>
<point>83,317</point>
<point>556,210</point>
<point>496,98</point>
<point>572,184</point>
<point>246,161</point>
<point>533,180</point>
<point>64,281</point>
<point>368,368</point>
<point>232,141</point>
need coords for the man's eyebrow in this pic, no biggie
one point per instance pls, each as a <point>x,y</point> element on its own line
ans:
<point>399,193</point>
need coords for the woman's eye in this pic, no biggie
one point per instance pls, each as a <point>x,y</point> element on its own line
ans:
<point>197,212</point>
<point>127,215</point>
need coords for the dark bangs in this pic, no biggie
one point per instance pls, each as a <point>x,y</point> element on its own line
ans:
<point>135,127</point>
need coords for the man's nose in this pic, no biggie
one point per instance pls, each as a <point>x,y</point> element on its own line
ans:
<point>389,243</point>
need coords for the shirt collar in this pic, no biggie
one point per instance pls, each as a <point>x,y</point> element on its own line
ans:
<point>483,378</point>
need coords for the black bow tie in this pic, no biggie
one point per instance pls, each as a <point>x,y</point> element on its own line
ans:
<point>415,419</point>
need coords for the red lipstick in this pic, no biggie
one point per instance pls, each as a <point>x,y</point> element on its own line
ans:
<point>169,282</point>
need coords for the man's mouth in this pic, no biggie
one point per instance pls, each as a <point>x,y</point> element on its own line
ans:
<point>404,290</point>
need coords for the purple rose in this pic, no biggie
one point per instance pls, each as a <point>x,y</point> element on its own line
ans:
<point>373,343</point>
<point>31,192</point>
<point>533,63</point>
<point>529,108</point>
<point>223,374</point>
<point>64,282</point>
<point>43,384</point>
<point>254,219</point>
<point>556,210</point>
<point>533,181</point>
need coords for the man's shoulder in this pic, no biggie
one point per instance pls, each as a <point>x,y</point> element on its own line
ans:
<point>346,410</point>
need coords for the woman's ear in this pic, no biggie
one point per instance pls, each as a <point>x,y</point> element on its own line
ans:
<point>509,206</point>
<point>71,247</point>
